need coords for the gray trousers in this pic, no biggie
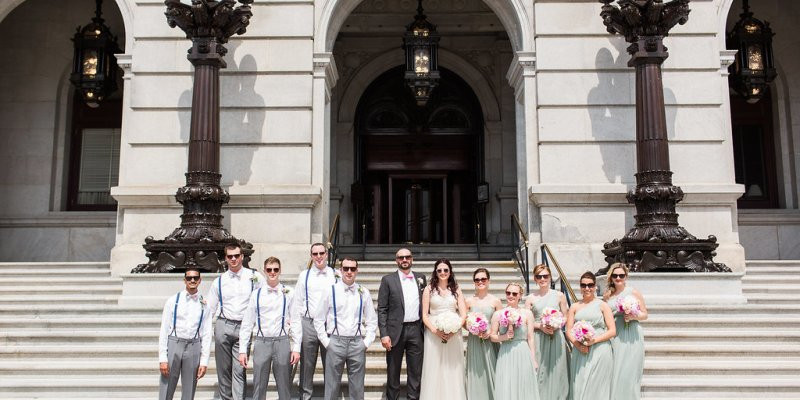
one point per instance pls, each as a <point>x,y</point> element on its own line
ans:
<point>271,352</point>
<point>341,350</point>
<point>231,375</point>
<point>309,349</point>
<point>183,358</point>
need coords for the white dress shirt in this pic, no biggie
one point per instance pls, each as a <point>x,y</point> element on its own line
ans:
<point>272,314</point>
<point>187,319</point>
<point>346,321</point>
<point>319,281</point>
<point>410,296</point>
<point>236,290</point>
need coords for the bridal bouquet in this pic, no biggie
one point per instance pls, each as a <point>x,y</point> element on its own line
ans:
<point>628,305</point>
<point>477,324</point>
<point>510,316</point>
<point>552,318</point>
<point>583,332</point>
<point>448,323</point>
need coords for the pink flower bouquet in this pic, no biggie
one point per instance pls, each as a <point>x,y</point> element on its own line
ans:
<point>510,316</point>
<point>477,324</point>
<point>552,318</point>
<point>628,305</point>
<point>583,332</point>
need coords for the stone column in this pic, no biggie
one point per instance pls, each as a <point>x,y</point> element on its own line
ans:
<point>325,76</point>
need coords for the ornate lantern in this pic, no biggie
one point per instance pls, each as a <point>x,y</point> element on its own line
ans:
<point>754,67</point>
<point>94,66</point>
<point>421,42</point>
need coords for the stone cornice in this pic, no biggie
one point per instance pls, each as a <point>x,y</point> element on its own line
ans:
<point>272,196</point>
<point>593,195</point>
<point>325,68</point>
<point>522,65</point>
<point>125,62</point>
<point>66,219</point>
<point>726,58</point>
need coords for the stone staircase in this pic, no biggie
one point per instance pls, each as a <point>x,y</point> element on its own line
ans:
<point>63,336</point>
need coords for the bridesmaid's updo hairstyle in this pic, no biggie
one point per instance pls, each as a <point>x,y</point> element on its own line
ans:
<point>541,267</point>
<point>611,289</point>
<point>517,285</point>
<point>588,275</point>
<point>479,270</point>
<point>451,281</point>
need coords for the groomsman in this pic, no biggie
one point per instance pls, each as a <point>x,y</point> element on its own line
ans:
<point>399,320</point>
<point>184,343</point>
<point>230,295</point>
<point>268,312</point>
<point>312,283</point>
<point>345,323</point>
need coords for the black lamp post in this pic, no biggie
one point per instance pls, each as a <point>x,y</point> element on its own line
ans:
<point>200,240</point>
<point>421,43</point>
<point>94,66</point>
<point>753,68</point>
<point>657,242</point>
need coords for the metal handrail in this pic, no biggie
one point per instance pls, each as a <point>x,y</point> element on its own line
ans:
<point>520,252</point>
<point>478,235</point>
<point>566,288</point>
<point>333,242</point>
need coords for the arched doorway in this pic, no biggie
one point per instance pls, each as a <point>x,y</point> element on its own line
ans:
<point>417,169</point>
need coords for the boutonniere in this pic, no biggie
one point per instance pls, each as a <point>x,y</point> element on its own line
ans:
<point>336,275</point>
<point>420,281</point>
<point>254,278</point>
<point>360,289</point>
<point>202,300</point>
<point>286,290</point>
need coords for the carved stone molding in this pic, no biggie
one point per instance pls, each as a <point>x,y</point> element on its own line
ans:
<point>523,65</point>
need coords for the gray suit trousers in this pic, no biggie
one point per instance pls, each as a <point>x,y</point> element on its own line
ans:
<point>309,349</point>
<point>183,358</point>
<point>271,352</point>
<point>231,375</point>
<point>349,350</point>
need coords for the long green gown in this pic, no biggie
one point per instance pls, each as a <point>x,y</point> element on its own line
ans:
<point>628,348</point>
<point>515,376</point>
<point>591,372</point>
<point>481,360</point>
<point>551,353</point>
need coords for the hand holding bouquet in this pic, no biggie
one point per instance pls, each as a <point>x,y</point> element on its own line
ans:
<point>629,307</point>
<point>448,323</point>
<point>552,318</point>
<point>477,324</point>
<point>583,332</point>
<point>510,316</point>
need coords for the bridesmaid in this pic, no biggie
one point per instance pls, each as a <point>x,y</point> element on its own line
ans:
<point>628,345</point>
<point>592,363</point>
<point>515,376</point>
<point>481,353</point>
<point>551,347</point>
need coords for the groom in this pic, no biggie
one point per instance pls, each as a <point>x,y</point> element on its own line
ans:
<point>400,324</point>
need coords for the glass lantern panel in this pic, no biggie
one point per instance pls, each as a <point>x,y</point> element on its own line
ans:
<point>424,32</point>
<point>755,58</point>
<point>422,61</point>
<point>751,28</point>
<point>89,64</point>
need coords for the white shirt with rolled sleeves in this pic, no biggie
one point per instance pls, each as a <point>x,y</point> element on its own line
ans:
<point>319,281</point>
<point>236,290</point>
<point>271,310</point>
<point>410,296</point>
<point>347,300</point>
<point>186,320</point>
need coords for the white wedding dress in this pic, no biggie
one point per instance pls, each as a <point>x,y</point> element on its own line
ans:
<point>443,363</point>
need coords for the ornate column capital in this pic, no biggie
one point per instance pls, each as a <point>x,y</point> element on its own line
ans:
<point>726,58</point>
<point>125,63</point>
<point>523,65</point>
<point>325,68</point>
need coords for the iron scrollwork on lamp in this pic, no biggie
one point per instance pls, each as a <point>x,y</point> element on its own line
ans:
<point>656,242</point>
<point>200,240</point>
<point>421,43</point>
<point>94,66</point>
<point>753,68</point>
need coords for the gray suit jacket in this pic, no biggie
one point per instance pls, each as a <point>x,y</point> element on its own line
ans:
<point>391,305</point>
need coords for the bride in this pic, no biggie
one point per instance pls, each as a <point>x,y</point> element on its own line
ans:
<point>443,313</point>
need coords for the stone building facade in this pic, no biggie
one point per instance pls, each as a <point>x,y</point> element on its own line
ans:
<point>538,104</point>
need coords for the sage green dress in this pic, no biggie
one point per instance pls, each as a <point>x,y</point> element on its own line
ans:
<point>481,360</point>
<point>551,353</point>
<point>591,372</point>
<point>628,348</point>
<point>515,376</point>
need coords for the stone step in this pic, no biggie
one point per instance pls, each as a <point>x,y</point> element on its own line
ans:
<point>731,386</point>
<point>55,300</point>
<point>726,309</point>
<point>49,309</point>
<point>748,288</point>
<point>60,290</point>
<point>772,263</point>
<point>40,266</point>
<point>723,349</point>
<point>54,273</point>
<point>58,284</point>
<point>771,278</point>
<point>773,298</point>
<point>657,366</point>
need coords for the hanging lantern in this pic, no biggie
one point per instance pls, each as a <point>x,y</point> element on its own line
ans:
<point>94,66</point>
<point>753,68</point>
<point>421,43</point>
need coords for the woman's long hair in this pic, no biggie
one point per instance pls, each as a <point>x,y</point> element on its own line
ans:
<point>451,282</point>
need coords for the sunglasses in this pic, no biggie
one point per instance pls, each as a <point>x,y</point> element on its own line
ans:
<point>408,257</point>
<point>541,276</point>
<point>233,256</point>
<point>192,278</point>
<point>618,276</point>
<point>512,293</point>
<point>587,285</point>
<point>271,270</point>
<point>319,253</point>
<point>349,269</point>
<point>442,270</point>
<point>480,280</point>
